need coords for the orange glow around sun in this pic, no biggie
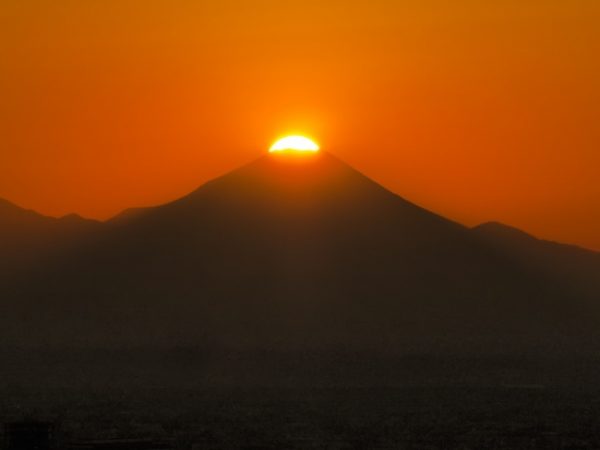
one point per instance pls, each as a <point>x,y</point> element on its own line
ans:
<point>295,144</point>
<point>478,111</point>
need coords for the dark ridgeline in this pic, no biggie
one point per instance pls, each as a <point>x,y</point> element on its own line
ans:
<point>292,267</point>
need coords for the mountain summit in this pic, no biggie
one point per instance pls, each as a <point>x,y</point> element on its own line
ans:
<point>299,254</point>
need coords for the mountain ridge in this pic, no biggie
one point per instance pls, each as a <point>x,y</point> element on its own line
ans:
<point>294,254</point>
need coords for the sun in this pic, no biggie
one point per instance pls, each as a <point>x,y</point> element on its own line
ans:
<point>294,144</point>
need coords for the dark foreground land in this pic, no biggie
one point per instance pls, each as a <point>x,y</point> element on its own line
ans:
<point>415,417</point>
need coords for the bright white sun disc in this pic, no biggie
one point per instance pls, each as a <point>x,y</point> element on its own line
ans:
<point>294,143</point>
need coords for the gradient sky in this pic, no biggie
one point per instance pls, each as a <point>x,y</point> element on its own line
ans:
<point>478,110</point>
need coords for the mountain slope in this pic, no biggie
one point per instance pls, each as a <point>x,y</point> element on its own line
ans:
<point>575,268</point>
<point>298,254</point>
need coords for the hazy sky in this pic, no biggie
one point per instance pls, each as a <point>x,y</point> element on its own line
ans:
<point>478,110</point>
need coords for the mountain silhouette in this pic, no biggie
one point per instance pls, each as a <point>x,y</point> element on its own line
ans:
<point>576,268</point>
<point>26,236</point>
<point>305,255</point>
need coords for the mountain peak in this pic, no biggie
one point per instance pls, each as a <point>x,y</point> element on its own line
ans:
<point>317,187</point>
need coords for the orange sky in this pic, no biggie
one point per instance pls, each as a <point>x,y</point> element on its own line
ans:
<point>478,110</point>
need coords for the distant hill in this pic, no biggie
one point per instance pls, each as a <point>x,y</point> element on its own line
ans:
<point>576,268</point>
<point>27,237</point>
